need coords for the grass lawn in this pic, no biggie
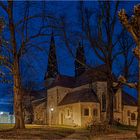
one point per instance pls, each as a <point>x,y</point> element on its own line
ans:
<point>6,126</point>
<point>125,127</point>
<point>34,132</point>
<point>60,132</point>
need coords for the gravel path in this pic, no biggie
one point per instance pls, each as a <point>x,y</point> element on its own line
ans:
<point>78,135</point>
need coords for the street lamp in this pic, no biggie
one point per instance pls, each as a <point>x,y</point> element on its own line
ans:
<point>52,109</point>
<point>1,113</point>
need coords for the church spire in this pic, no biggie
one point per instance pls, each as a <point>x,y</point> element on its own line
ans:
<point>52,68</point>
<point>80,60</point>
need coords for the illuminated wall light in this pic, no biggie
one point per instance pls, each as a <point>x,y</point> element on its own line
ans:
<point>52,109</point>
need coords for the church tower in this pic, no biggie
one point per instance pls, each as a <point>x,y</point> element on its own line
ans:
<point>80,60</point>
<point>52,69</point>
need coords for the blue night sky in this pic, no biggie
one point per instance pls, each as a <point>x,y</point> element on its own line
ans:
<point>34,66</point>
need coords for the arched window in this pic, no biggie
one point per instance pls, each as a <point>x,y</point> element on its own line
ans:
<point>133,116</point>
<point>103,103</point>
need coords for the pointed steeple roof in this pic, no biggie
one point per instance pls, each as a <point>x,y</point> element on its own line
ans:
<point>52,68</point>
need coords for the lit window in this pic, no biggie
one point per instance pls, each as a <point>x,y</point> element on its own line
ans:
<point>95,112</point>
<point>86,112</point>
<point>133,116</point>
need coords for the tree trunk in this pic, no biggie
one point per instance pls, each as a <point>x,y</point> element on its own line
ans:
<point>109,102</point>
<point>138,118</point>
<point>18,110</point>
<point>109,94</point>
<point>18,96</point>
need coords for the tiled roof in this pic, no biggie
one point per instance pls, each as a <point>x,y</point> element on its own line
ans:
<point>39,101</point>
<point>64,81</point>
<point>91,75</point>
<point>83,95</point>
<point>128,99</point>
<point>98,73</point>
<point>35,94</point>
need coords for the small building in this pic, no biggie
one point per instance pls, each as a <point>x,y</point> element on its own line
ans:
<point>6,113</point>
<point>7,117</point>
<point>79,108</point>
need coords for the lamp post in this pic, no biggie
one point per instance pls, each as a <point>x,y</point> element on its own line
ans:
<point>1,113</point>
<point>132,25</point>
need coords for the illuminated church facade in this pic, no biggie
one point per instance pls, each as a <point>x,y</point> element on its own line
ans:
<point>81,99</point>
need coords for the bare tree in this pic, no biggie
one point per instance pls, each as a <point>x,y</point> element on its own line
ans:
<point>104,41</point>
<point>127,60</point>
<point>132,25</point>
<point>25,32</point>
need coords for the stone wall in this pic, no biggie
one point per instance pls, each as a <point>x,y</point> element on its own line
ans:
<point>70,114</point>
<point>92,117</point>
<point>55,95</point>
<point>73,114</point>
<point>128,115</point>
<point>40,115</point>
<point>101,88</point>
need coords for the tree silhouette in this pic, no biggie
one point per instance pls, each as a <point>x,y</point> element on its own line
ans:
<point>132,24</point>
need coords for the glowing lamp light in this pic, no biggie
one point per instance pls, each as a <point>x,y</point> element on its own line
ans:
<point>52,109</point>
<point>1,113</point>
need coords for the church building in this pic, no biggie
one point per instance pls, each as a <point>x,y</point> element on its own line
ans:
<point>81,99</point>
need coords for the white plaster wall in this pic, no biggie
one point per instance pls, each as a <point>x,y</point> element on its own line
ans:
<point>85,120</point>
<point>54,97</point>
<point>74,118</point>
<point>127,119</point>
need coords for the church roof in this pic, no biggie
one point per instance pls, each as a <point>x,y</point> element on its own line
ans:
<point>39,101</point>
<point>64,81</point>
<point>98,73</point>
<point>128,99</point>
<point>35,94</point>
<point>83,95</point>
<point>92,75</point>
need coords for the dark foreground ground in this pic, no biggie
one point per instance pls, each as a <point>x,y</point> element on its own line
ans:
<point>37,132</point>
